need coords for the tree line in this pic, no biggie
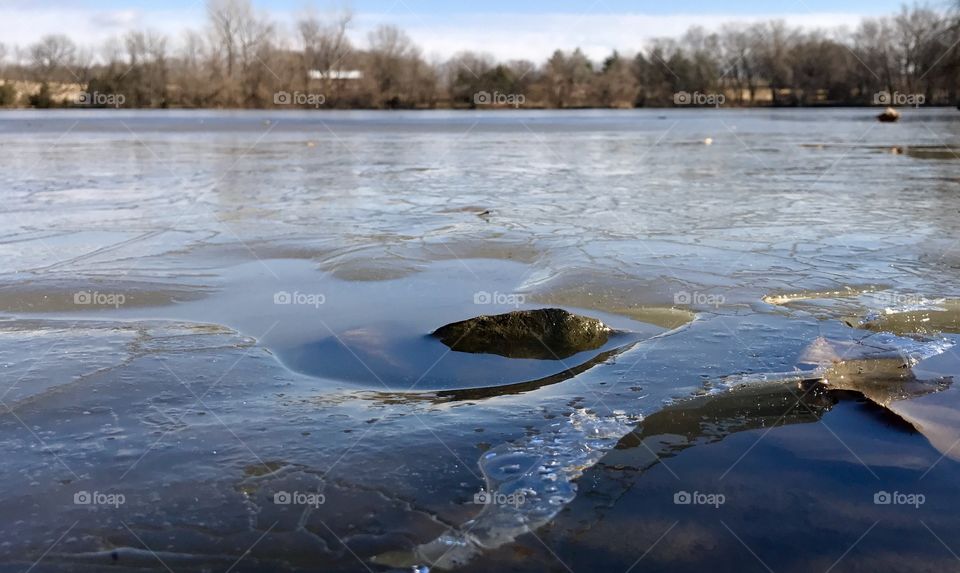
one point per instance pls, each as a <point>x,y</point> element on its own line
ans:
<point>243,59</point>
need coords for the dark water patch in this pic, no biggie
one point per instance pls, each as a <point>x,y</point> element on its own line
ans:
<point>389,356</point>
<point>787,487</point>
<point>880,413</point>
<point>935,152</point>
<point>522,387</point>
<point>769,405</point>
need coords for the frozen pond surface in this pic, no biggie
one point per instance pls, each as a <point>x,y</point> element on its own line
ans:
<point>215,350</point>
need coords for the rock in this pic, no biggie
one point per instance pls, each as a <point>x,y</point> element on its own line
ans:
<point>918,392</point>
<point>882,372</point>
<point>543,334</point>
<point>889,115</point>
<point>883,376</point>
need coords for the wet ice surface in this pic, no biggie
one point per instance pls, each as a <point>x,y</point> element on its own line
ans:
<point>203,311</point>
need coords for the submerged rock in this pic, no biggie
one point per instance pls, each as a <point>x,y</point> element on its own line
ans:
<point>881,374</point>
<point>889,115</point>
<point>882,370</point>
<point>926,400</point>
<point>543,334</point>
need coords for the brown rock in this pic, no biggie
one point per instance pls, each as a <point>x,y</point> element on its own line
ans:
<point>544,334</point>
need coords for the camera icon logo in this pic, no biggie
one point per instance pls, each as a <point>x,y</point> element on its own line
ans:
<point>482,497</point>
<point>83,98</point>
<point>282,297</point>
<point>882,98</point>
<point>682,98</point>
<point>82,297</point>
<point>282,498</point>
<point>281,98</point>
<point>482,297</point>
<point>682,297</point>
<point>482,98</point>
<point>682,498</point>
<point>82,498</point>
<point>882,498</point>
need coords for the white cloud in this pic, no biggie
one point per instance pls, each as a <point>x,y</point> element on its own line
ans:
<point>535,37</point>
<point>511,36</point>
<point>116,19</point>
<point>25,25</point>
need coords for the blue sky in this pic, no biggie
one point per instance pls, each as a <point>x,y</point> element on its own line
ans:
<point>607,6</point>
<point>503,28</point>
<point>443,7</point>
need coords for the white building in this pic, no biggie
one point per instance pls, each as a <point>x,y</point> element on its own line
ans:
<point>335,75</point>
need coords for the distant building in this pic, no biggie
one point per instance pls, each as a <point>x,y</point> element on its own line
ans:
<point>335,75</point>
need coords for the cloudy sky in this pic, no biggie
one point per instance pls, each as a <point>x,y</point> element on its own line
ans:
<point>507,29</point>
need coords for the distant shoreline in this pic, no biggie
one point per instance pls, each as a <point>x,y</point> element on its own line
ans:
<point>507,109</point>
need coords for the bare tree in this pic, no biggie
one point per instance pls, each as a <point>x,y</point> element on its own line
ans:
<point>395,64</point>
<point>737,43</point>
<point>242,39</point>
<point>918,32</point>
<point>50,55</point>
<point>463,76</point>
<point>226,19</point>
<point>873,44</point>
<point>193,74</point>
<point>567,77</point>
<point>616,86</point>
<point>146,74</point>
<point>240,60</point>
<point>256,55</point>
<point>8,94</point>
<point>325,47</point>
<point>702,50</point>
